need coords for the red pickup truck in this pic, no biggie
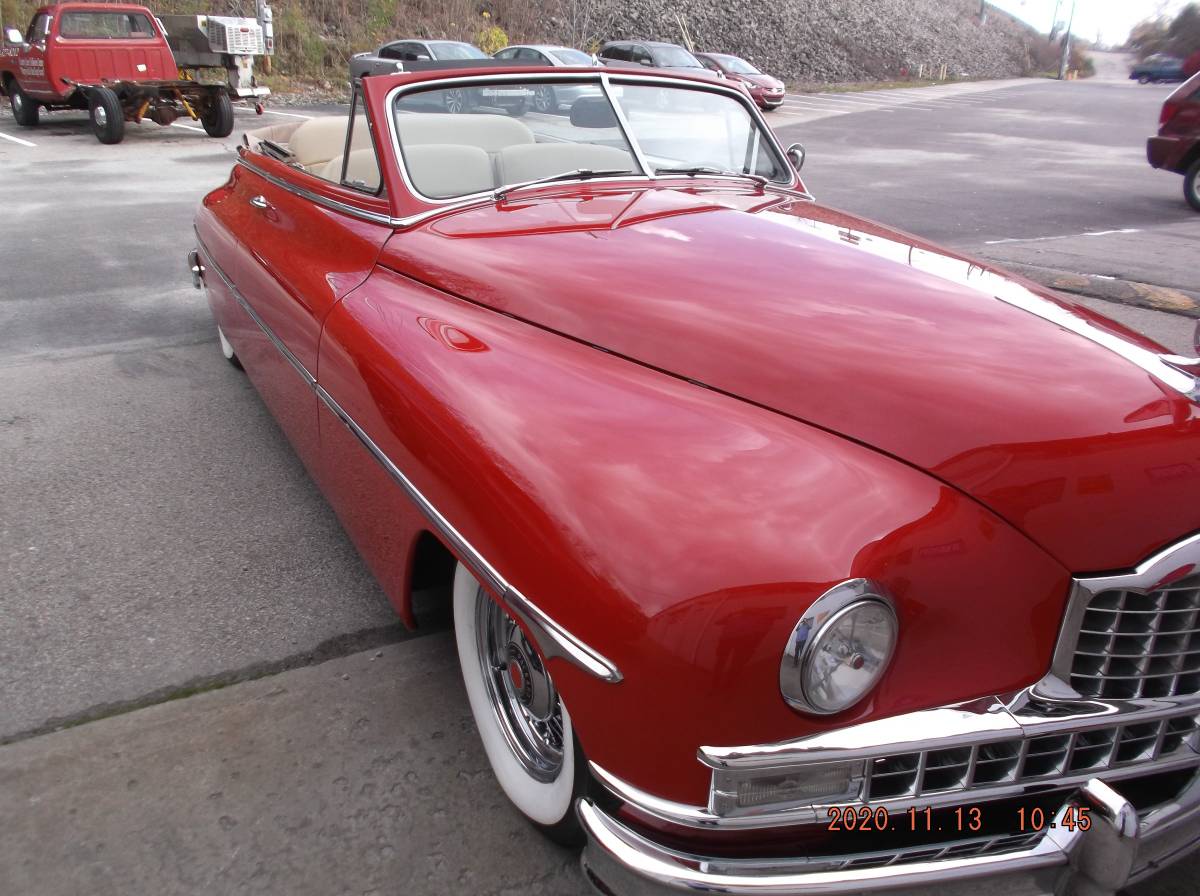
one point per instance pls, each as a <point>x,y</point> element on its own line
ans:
<point>111,59</point>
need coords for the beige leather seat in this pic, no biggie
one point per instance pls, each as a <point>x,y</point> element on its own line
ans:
<point>445,170</point>
<point>318,140</point>
<point>362,170</point>
<point>491,133</point>
<point>517,164</point>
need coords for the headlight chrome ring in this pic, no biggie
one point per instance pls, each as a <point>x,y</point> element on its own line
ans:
<point>838,651</point>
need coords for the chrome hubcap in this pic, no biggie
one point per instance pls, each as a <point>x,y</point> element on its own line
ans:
<point>101,116</point>
<point>521,692</point>
<point>17,102</point>
<point>454,100</point>
<point>542,100</point>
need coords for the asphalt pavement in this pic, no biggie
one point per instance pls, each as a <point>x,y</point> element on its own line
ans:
<point>158,539</point>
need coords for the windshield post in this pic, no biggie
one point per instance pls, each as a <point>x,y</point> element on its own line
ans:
<point>623,124</point>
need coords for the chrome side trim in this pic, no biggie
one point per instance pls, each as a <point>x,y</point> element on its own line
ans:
<point>324,201</point>
<point>262,325</point>
<point>553,640</point>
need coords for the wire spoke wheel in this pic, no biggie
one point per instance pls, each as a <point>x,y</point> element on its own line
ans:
<point>521,691</point>
<point>523,722</point>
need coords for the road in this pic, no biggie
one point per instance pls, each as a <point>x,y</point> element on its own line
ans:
<point>158,538</point>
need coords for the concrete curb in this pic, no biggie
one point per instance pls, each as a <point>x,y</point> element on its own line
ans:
<point>1110,289</point>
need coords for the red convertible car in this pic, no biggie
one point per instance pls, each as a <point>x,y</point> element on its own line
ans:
<point>788,554</point>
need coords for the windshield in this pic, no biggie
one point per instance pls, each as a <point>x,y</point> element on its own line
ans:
<point>486,138</point>
<point>454,50</point>
<point>571,57</point>
<point>739,66</point>
<point>675,57</point>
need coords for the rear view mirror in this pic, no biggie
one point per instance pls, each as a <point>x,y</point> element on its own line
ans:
<point>592,112</point>
<point>796,156</point>
<point>13,36</point>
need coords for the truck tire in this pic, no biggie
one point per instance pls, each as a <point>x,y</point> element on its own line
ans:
<point>25,110</point>
<point>1191,185</point>
<point>218,117</point>
<point>108,118</point>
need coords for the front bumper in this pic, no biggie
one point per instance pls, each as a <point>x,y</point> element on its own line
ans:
<point>1117,849</point>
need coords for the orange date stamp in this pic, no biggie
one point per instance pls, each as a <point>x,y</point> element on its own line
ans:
<point>961,819</point>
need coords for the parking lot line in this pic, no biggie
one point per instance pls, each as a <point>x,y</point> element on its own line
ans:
<point>188,126</point>
<point>16,139</point>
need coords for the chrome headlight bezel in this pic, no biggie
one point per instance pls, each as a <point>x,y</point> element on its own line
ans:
<point>826,611</point>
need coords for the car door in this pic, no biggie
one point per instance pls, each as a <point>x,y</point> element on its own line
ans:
<point>302,247</point>
<point>33,77</point>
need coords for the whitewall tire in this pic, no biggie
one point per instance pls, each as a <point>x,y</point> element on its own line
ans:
<point>523,723</point>
<point>227,349</point>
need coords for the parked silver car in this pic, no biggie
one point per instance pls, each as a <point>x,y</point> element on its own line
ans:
<point>547,98</point>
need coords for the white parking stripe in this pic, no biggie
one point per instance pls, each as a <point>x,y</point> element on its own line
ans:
<point>188,126</point>
<point>856,105</point>
<point>16,139</point>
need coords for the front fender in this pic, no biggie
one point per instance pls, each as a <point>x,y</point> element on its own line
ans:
<point>678,531</point>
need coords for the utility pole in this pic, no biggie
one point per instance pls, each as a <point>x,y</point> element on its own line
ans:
<point>1066,48</point>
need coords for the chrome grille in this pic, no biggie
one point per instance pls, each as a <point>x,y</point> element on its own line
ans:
<point>1139,645</point>
<point>1047,757</point>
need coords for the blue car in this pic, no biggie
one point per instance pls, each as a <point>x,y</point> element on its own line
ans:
<point>1156,68</point>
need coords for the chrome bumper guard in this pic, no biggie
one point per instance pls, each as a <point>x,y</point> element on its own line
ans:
<point>1116,850</point>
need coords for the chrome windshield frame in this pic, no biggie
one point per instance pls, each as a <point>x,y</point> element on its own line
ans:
<point>605,81</point>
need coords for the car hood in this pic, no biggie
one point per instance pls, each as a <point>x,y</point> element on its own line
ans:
<point>759,80</point>
<point>920,353</point>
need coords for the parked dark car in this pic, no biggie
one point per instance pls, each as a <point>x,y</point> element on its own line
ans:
<point>393,56</point>
<point>768,92</point>
<point>652,54</point>
<point>1177,145</point>
<point>1156,68</point>
<point>551,98</point>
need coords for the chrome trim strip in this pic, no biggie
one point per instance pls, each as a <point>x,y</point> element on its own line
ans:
<point>623,124</point>
<point>325,201</point>
<point>308,378</point>
<point>553,640</point>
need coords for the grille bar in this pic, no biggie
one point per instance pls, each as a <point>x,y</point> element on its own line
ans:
<point>1044,757</point>
<point>1133,645</point>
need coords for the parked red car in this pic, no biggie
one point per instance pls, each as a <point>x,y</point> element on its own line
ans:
<point>110,59</point>
<point>1177,146</point>
<point>787,553</point>
<point>768,92</point>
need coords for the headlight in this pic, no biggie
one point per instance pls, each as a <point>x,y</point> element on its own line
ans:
<point>839,649</point>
